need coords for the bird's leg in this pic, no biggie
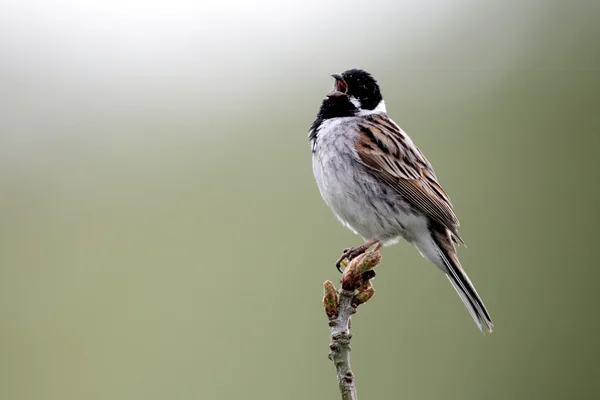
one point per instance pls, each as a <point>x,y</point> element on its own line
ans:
<point>353,252</point>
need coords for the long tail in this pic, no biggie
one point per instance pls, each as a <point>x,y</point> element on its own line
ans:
<point>460,281</point>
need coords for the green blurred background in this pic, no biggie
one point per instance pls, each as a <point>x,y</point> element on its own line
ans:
<point>162,236</point>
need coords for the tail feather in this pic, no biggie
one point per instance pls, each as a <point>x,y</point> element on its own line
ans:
<point>461,282</point>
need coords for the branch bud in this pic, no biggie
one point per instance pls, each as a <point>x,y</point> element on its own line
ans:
<point>353,275</point>
<point>330,300</point>
<point>365,292</point>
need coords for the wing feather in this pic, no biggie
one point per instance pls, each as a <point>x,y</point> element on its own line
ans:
<point>391,156</point>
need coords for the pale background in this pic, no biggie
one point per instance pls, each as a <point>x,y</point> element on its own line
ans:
<point>161,235</point>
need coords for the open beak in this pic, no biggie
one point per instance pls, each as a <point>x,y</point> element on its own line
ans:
<point>340,88</point>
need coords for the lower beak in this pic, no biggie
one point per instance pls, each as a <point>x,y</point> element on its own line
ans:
<point>335,93</point>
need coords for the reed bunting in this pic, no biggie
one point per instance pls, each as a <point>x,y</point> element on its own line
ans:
<point>380,185</point>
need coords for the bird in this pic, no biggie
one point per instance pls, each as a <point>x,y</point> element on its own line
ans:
<point>380,185</point>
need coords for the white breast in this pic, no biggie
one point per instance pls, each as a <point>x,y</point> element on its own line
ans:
<point>364,204</point>
<point>333,154</point>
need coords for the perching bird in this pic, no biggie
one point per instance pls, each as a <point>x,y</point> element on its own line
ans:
<point>379,184</point>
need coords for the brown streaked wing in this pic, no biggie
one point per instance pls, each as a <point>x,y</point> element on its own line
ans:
<point>391,156</point>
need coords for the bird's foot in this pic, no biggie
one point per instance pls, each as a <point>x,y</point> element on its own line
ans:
<point>351,253</point>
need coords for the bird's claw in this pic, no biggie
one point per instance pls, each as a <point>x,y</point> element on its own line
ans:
<point>348,255</point>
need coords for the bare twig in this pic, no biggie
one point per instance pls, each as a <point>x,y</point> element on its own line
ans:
<point>339,307</point>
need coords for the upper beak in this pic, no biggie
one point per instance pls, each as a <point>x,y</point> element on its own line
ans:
<point>340,87</point>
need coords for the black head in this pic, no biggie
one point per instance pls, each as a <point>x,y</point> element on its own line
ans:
<point>360,85</point>
<point>355,92</point>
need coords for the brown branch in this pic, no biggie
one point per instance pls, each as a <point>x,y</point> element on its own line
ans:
<point>339,307</point>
